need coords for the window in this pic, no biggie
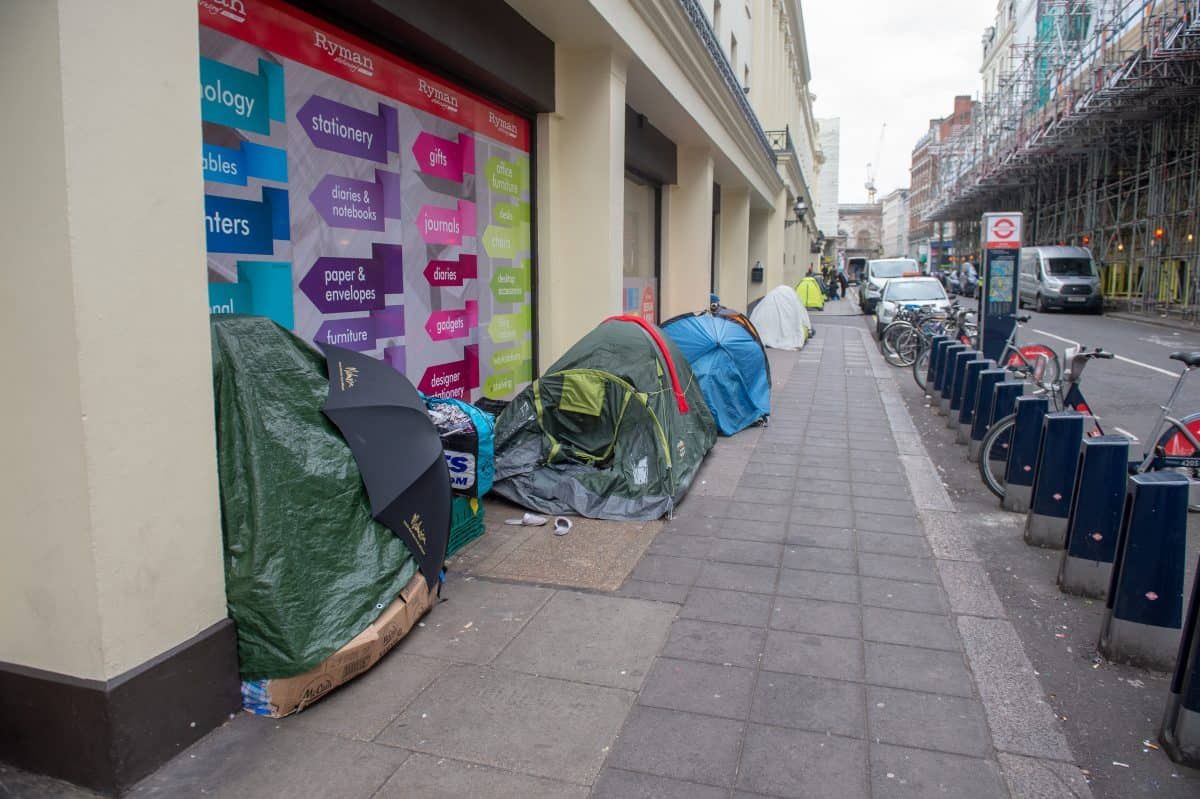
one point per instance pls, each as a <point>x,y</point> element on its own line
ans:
<point>746,77</point>
<point>733,51</point>
<point>643,211</point>
<point>716,17</point>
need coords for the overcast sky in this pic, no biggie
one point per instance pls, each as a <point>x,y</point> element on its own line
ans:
<point>894,61</point>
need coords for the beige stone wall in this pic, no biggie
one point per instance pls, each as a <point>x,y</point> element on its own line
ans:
<point>110,523</point>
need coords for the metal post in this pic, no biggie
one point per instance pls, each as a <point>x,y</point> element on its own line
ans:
<point>982,418</point>
<point>967,407</point>
<point>936,344</point>
<point>1145,596</point>
<point>1180,733</point>
<point>944,375</point>
<point>1023,452</point>
<point>958,371</point>
<point>1094,524</point>
<point>1054,479</point>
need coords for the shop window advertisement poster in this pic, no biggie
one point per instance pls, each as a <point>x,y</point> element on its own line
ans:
<point>359,200</point>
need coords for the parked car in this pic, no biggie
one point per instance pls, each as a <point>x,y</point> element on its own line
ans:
<point>900,292</point>
<point>878,272</point>
<point>1059,277</point>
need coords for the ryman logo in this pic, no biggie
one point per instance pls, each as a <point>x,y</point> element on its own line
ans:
<point>503,125</point>
<point>437,95</point>
<point>346,56</point>
<point>232,9</point>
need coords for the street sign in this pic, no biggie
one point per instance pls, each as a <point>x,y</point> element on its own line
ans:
<point>1002,231</point>
<point>998,298</point>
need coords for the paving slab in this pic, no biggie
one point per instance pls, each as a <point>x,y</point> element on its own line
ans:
<point>682,746</point>
<point>711,642</point>
<point>810,703</point>
<point>442,778</point>
<point>517,722</point>
<point>816,616</point>
<point>594,639</point>
<point>801,764</point>
<point>821,559</point>
<point>902,773</point>
<point>729,607</point>
<point>928,721</point>
<point>619,784</point>
<point>918,669</point>
<point>814,655</point>
<point>704,688</point>
<point>476,620</point>
<point>261,757</point>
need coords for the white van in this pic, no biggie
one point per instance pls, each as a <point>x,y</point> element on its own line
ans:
<point>878,272</point>
<point>1059,277</point>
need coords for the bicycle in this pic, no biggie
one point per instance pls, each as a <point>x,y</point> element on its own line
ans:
<point>959,327</point>
<point>1038,360</point>
<point>1064,395</point>
<point>901,339</point>
<point>1176,441</point>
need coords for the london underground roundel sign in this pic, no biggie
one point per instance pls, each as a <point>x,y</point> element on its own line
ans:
<point>1003,231</point>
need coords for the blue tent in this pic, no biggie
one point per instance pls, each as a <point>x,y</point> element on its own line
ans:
<point>730,364</point>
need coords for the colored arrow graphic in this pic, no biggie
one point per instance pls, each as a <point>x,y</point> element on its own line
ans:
<point>363,333</point>
<point>509,326</point>
<point>263,288</point>
<point>451,324</point>
<point>239,99</point>
<point>341,128</point>
<point>505,177</point>
<point>509,283</point>
<point>452,273</point>
<point>339,285</point>
<point>249,160</point>
<point>453,379</point>
<point>439,225</point>
<point>246,226</point>
<point>443,158</point>
<point>358,204</point>
<point>506,359</point>
<point>499,242</point>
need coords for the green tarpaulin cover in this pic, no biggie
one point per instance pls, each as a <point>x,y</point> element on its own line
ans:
<point>306,567</point>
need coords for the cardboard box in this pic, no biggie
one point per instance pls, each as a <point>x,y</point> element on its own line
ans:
<point>290,694</point>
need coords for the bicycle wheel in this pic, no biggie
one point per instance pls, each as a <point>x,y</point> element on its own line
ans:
<point>908,346</point>
<point>896,343</point>
<point>993,455</point>
<point>920,367</point>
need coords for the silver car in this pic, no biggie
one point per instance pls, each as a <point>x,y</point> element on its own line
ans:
<point>909,291</point>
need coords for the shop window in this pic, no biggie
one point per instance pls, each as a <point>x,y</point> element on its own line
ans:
<point>360,200</point>
<point>643,235</point>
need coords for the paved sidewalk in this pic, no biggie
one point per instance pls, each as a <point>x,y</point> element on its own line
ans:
<point>809,625</point>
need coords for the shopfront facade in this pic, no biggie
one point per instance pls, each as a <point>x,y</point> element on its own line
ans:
<point>462,195</point>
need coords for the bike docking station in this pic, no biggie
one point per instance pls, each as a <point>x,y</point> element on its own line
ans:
<point>982,417</point>
<point>1144,608</point>
<point>938,345</point>
<point>1180,734</point>
<point>945,373</point>
<point>966,412</point>
<point>1094,523</point>
<point>1022,450</point>
<point>957,382</point>
<point>1054,479</point>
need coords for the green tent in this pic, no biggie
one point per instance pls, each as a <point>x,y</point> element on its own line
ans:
<point>810,293</point>
<point>615,429</point>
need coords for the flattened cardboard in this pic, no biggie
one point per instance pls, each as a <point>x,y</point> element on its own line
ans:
<point>290,694</point>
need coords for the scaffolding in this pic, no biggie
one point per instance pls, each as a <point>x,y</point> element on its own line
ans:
<point>1093,132</point>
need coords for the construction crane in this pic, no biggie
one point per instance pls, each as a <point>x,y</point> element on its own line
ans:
<point>873,167</point>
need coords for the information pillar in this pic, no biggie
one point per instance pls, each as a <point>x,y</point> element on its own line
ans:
<point>1001,256</point>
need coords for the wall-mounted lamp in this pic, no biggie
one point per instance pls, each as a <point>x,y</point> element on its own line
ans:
<point>798,209</point>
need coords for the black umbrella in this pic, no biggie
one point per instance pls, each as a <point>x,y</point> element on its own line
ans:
<point>398,451</point>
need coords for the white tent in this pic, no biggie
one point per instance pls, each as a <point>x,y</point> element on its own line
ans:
<point>781,319</point>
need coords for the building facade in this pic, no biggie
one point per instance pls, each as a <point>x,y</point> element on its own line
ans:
<point>894,225</point>
<point>860,231</point>
<point>929,242</point>
<point>827,184</point>
<point>461,189</point>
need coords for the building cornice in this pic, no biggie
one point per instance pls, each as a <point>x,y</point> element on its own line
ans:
<point>685,32</point>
